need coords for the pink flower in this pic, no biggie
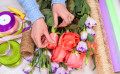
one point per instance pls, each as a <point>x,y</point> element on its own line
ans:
<point>69,40</point>
<point>74,60</point>
<point>55,37</point>
<point>59,54</point>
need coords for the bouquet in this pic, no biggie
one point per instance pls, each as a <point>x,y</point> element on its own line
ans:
<point>73,44</point>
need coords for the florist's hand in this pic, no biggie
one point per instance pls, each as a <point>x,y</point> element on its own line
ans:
<point>40,33</point>
<point>59,10</point>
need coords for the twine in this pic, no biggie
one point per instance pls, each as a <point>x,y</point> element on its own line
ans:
<point>27,44</point>
<point>103,60</point>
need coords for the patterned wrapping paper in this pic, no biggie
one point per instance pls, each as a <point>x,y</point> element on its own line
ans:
<point>103,59</point>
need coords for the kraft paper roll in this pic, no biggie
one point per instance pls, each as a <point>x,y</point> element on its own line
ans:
<point>110,35</point>
<point>103,63</point>
<point>27,44</point>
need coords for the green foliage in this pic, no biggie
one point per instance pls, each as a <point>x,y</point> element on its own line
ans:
<point>50,21</point>
<point>90,38</point>
<point>87,56</point>
<point>82,20</point>
<point>78,5</point>
<point>93,57</point>
<point>71,6</point>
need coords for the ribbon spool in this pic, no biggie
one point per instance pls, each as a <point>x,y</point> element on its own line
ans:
<point>8,23</point>
<point>13,59</point>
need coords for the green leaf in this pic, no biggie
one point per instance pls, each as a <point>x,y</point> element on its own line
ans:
<point>87,8</point>
<point>93,51</point>
<point>90,38</point>
<point>46,12</point>
<point>78,5</point>
<point>87,56</point>
<point>82,20</point>
<point>73,26</point>
<point>39,60</point>
<point>50,21</point>
<point>63,65</point>
<point>49,67</point>
<point>93,57</point>
<point>71,6</point>
<point>44,4</point>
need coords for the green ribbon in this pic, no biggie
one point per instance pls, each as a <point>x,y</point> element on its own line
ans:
<point>13,59</point>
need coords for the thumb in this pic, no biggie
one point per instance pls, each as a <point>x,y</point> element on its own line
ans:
<point>55,20</point>
<point>49,38</point>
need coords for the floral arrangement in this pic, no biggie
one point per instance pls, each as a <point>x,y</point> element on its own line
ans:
<point>73,44</point>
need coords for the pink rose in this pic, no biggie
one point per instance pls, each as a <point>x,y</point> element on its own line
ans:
<point>69,40</point>
<point>74,60</point>
<point>59,54</point>
<point>55,37</point>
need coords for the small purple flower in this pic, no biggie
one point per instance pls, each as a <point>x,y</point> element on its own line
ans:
<point>27,69</point>
<point>90,22</point>
<point>61,70</point>
<point>90,31</point>
<point>44,71</point>
<point>82,46</point>
<point>54,66</point>
<point>29,59</point>
<point>83,35</point>
<point>69,69</point>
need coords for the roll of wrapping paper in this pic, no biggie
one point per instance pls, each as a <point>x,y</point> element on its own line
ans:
<point>27,45</point>
<point>103,59</point>
<point>110,35</point>
<point>115,22</point>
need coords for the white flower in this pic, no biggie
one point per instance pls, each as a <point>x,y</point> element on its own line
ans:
<point>44,71</point>
<point>90,31</point>
<point>83,35</point>
<point>29,59</point>
<point>61,70</point>
<point>54,66</point>
<point>69,69</point>
<point>47,52</point>
<point>90,22</point>
<point>82,46</point>
<point>27,68</point>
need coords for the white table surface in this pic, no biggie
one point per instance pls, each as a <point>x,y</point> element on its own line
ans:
<point>87,69</point>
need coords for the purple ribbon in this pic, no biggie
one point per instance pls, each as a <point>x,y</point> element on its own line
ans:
<point>8,26</point>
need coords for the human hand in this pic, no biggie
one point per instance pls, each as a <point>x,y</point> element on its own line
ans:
<point>59,10</point>
<point>40,33</point>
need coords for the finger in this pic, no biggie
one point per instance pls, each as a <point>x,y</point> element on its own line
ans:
<point>48,37</point>
<point>38,42</point>
<point>63,24</point>
<point>55,20</point>
<point>71,17</point>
